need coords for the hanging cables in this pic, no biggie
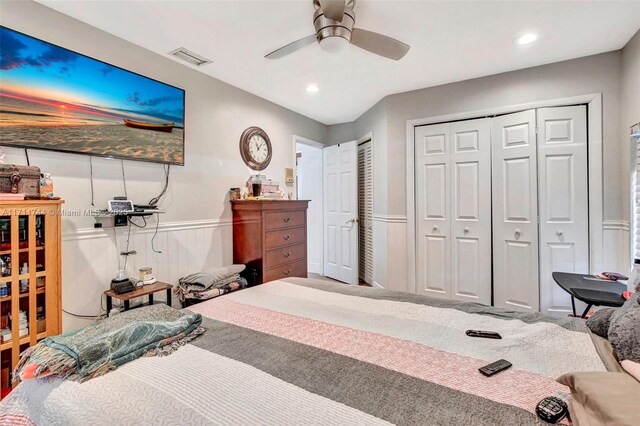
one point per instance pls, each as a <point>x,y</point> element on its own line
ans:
<point>91,179</point>
<point>155,234</point>
<point>26,154</point>
<point>155,200</point>
<point>124,180</point>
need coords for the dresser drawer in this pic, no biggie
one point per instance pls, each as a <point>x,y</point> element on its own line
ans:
<point>295,269</point>
<point>290,219</point>
<point>282,255</point>
<point>284,237</point>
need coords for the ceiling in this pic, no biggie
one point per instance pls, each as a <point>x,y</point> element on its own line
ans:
<point>450,41</point>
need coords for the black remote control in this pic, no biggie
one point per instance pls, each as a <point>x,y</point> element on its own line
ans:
<point>485,334</point>
<point>495,367</point>
<point>552,409</point>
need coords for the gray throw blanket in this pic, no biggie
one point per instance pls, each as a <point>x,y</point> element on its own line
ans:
<point>216,278</point>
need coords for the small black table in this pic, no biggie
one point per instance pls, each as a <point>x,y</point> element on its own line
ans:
<point>590,290</point>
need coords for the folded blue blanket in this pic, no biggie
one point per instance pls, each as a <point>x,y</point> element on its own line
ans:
<point>98,348</point>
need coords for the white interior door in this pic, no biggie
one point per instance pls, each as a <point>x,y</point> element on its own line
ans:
<point>365,211</point>
<point>433,218</point>
<point>341,212</point>
<point>563,199</point>
<point>471,211</point>
<point>515,211</point>
<point>309,187</point>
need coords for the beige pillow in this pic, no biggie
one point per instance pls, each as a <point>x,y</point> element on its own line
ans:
<point>603,398</point>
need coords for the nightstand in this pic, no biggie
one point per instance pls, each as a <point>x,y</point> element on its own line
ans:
<point>147,290</point>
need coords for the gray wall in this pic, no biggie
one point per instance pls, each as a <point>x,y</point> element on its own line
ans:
<point>338,133</point>
<point>631,83</point>
<point>216,115</point>
<point>593,74</point>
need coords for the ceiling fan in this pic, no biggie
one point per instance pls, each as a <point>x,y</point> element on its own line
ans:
<point>334,21</point>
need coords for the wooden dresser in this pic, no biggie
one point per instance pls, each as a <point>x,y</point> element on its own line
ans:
<point>271,237</point>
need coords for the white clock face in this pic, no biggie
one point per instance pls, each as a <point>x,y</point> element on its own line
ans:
<point>258,148</point>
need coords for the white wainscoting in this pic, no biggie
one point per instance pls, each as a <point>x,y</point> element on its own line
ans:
<point>616,246</point>
<point>390,252</point>
<point>90,259</point>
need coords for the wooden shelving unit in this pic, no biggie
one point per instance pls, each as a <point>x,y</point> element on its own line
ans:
<point>30,232</point>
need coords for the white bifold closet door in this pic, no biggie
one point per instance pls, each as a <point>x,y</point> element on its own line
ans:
<point>341,212</point>
<point>453,197</point>
<point>563,200</point>
<point>515,211</point>
<point>365,211</point>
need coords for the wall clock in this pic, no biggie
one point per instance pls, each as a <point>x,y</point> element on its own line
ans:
<point>255,148</point>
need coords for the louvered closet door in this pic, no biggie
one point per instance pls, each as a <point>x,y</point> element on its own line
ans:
<point>515,212</point>
<point>564,206</point>
<point>433,224</point>
<point>471,211</point>
<point>365,211</point>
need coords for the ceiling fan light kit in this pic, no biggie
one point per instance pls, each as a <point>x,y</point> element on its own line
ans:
<point>334,23</point>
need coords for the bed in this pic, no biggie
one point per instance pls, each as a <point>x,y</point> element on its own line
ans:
<point>301,351</point>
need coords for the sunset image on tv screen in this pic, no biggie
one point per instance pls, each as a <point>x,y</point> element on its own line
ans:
<point>56,99</point>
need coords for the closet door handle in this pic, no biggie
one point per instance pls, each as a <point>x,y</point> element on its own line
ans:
<point>517,233</point>
<point>466,230</point>
<point>559,233</point>
<point>435,229</point>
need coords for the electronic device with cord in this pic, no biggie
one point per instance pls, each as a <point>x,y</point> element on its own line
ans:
<point>120,206</point>
<point>122,286</point>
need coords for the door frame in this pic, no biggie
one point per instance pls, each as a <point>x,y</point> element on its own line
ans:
<point>306,141</point>
<point>594,152</point>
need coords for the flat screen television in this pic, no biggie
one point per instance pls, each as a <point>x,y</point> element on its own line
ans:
<point>55,99</point>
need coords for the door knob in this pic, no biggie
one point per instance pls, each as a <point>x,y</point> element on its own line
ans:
<point>354,220</point>
<point>517,233</point>
<point>559,233</point>
<point>435,229</point>
<point>466,230</point>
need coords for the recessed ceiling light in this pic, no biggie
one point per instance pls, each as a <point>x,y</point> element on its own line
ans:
<point>526,38</point>
<point>312,88</point>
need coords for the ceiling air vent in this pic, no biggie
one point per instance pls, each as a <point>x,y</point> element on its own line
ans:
<point>189,56</point>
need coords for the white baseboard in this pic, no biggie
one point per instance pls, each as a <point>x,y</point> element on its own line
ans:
<point>314,268</point>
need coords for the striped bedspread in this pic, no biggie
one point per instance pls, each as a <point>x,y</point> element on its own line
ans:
<point>305,352</point>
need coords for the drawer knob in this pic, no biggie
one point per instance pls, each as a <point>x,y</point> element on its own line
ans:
<point>286,220</point>
<point>286,237</point>
<point>287,272</point>
<point>287,254</point>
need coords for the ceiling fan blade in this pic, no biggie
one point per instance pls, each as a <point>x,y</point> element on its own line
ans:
<point>333,9</point>
<point>291,47</point>
<point>379,44</point>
